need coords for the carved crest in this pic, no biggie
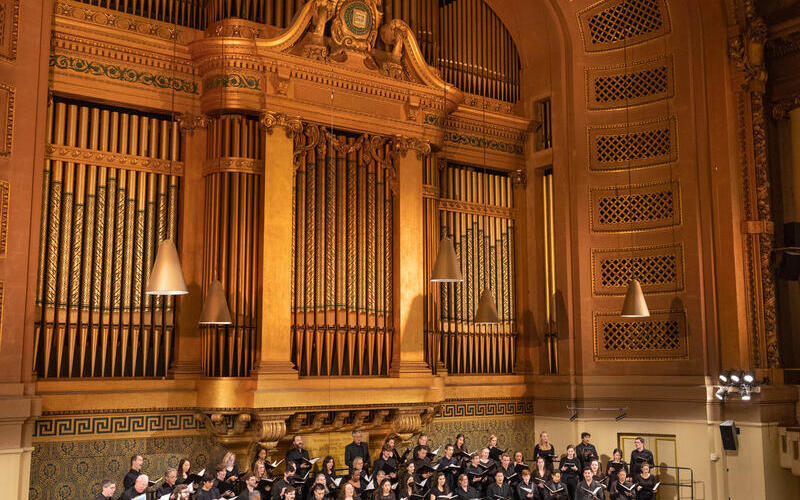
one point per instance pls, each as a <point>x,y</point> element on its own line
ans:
<point>355,24</point>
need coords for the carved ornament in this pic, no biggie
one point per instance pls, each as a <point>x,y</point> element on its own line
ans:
<point>402,145</point>
<point>113,160</point>
<point>190,121</point>
<point>292,125</point>
<point>355,25</point>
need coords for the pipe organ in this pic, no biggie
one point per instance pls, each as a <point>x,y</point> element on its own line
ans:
<point>463,39</point>
<point>474,207</point>
<point>233,175</point>
<point>113,180</point>
<point>343,272</point>
<point>110,195</point>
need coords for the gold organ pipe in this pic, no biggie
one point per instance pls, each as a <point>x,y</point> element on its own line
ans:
<point>89,258</point>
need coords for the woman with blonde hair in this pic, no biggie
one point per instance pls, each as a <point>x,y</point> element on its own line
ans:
<point>545,450</point>
<point>231,471</point>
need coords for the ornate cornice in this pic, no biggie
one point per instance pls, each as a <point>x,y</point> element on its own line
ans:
<point>114,160</point>
<point>291,124</point>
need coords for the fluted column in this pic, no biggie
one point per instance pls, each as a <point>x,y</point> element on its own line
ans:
<point>276,300</point>
<point>409,353</point>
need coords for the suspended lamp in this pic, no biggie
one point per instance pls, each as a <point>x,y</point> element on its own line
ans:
<point>166,277</point>
<point>634,306</point>
<point>215,306</point>
<point>446,269</point>
<point>487,312</point>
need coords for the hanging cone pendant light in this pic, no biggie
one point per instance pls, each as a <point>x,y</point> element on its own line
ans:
<point>215,306</point>
<point>166,277</point>
<point>446,268</point>
<point>634,306</point>
<point>487,312</point>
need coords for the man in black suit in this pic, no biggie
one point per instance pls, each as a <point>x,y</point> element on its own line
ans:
<point>356,449</point>
<point>107,489</point>
<point>136,470</point>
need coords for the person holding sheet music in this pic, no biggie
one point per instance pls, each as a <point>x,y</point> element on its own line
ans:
<point>506,468</point>
<point>450,465</point>
<point>499,489</point>
<point>299,456</point>
<point>406,486</point>
<point>485,459</point>
<point>494,450</point>
<point>422,464</point>
<point>387,462</point>
<point>586,451</point>
<point>461,444</point>
<point>646,484</point>
<point>464,490</point>
<point>545,450</point>
<point>570,467</point>
<point>357,482</point>
<point>358,469</point>
<point>226,487</point>
<point>541,474</point>
<point>615,465</point>
<point>640,456</point>
<point>439,488</point>
<point>519,462</point>
<point>280,486</point>
<point>138,489</point>
<point>136,470</point>
<point>477,474</point>
<point>527,489</point>
<point>170,478</point>
<point>588,488</point>
<point>623,488</point>
<point>250,484</point>
<point>555,489</point>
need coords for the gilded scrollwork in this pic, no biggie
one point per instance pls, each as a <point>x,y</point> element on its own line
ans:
<point>292,125</point>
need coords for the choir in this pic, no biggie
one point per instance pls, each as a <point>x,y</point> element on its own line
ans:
<point>450,472</point>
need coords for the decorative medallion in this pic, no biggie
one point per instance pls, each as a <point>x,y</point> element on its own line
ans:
<point>355,25</point>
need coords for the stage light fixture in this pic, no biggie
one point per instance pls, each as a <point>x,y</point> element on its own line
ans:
<point>745,393</point>
<point>724,376</point>
<point>721,393</point>
<point>736,376</point>
<point>749,377</point>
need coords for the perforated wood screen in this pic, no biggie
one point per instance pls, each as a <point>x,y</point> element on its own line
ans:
<point>635,145</point>
<point>635,208</point>
<point>639,83</point>
<point>615,23</point>
<point>658,268</point>
<point>662,336</point>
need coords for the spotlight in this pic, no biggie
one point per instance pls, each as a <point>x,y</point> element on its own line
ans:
<point>723,377</point>
<point>736,376</point>
<point>573,417</point>
<point>745,393</point>
<point>721,393</point>
<point>620,416</point>
<point>749,377</point>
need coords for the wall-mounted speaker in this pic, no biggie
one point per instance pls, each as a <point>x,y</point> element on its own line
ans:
<point>730,438</point>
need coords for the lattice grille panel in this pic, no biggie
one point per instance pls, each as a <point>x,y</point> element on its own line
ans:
<point>662,336</point>
<point>659,269</point>
<point>641,145</point>
<point>637,84</point>
<point>615,23</point>
<point>635,208</point>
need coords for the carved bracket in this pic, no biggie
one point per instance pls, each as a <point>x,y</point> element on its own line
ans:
<point>188,122</point>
